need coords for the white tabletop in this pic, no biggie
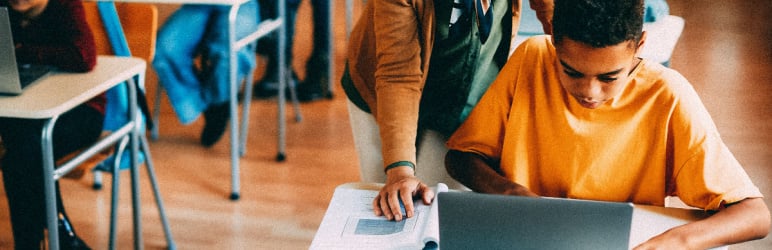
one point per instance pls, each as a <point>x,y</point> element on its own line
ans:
<point>647,222</point>
<point>213,2</point>
<point>62,91</point>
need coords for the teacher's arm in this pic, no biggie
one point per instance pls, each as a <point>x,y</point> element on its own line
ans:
<point>399,84</point>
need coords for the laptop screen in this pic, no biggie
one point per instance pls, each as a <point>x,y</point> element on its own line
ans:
<point>471,220</point>
<point>13,77</point>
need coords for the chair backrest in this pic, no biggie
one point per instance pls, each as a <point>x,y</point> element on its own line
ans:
<point>139,22</point>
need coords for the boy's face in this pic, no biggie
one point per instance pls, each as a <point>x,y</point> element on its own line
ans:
<point>594,76</point>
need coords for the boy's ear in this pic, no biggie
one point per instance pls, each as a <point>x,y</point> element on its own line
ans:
<point>639,46</point>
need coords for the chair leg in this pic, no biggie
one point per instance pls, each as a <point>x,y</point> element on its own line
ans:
<point>293,95</point>
<point>156,113</point>
<point>97,185</point>
<point>161,211</point>
<point>116,168</point>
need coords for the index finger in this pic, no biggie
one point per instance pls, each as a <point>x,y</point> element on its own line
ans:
<point>377,205</point>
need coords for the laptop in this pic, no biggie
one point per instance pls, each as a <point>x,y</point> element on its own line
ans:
<point>15,77</point>
<point>471,220</point>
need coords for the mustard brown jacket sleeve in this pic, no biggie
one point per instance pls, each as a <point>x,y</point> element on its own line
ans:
<point>388,58</point>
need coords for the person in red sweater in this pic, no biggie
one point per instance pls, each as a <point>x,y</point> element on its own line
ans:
<point>52,32</point>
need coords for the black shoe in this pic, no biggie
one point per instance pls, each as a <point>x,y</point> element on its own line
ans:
<point>68,240</point>
<point>264,90</point>
<point>312,91</point>
<point>216,117</point>
<point>269,87</point>
<point>317,82</point>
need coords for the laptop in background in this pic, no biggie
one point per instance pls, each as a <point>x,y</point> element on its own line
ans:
<point>15,77</point>
<point>471,220</point>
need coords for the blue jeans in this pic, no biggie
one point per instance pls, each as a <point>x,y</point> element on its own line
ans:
<point>321,10</point>
<point>201,30</point>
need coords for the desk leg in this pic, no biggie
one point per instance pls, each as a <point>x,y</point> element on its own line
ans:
<point>349,17</point>
<point>283,75</point>
<point>331,49</point>
<point>49,192</point>
<point>234,86</point>
<point>134,143</point>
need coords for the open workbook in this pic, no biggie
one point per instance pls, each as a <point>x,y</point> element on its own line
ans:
<point>350,223</point>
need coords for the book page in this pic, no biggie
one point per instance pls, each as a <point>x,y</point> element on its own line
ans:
<point>431,232</point>
<point>350,223</point>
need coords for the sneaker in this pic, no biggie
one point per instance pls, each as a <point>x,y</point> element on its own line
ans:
<point>269,88</point>
<point>312,90</point>
<point>216,117</point>
<point>317,82</point>
<point>68,240</point>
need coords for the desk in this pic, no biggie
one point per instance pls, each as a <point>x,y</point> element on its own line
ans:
<point>47,100</point>
<point>647,221</point>
<point>238,137</point>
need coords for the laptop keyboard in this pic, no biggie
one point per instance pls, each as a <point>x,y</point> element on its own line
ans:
<point>29,73</point>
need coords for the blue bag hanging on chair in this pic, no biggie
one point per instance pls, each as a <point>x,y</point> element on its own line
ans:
<point>117,108</point>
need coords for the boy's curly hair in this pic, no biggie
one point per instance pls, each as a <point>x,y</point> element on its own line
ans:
<point>598,23</point>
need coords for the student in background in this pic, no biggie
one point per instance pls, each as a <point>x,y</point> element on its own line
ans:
<point>52,32</point>
<point>434,56</point>
<point>268,86</point>
<point>200,32</point>
<point>580,115</point>
<point>315,84</point>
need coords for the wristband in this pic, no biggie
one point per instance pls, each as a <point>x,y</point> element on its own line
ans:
<point>400,164</point>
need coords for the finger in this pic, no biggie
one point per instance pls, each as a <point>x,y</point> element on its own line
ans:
<point>394,207</point>
<point>428,196</point>
<point>377,205</point>
<point>407,201</point>
<point>385,207</point>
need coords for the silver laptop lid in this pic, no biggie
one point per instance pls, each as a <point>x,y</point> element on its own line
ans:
<point>9,74</point>
<point>471,220</point>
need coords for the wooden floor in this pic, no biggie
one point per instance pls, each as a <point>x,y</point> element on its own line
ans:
<point>725,51</point>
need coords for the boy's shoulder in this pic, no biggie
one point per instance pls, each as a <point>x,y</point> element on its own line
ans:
<point>652,71</point>
<point>654,79</point>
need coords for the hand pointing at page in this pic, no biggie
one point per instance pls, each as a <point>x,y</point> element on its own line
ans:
<point>401,185</point>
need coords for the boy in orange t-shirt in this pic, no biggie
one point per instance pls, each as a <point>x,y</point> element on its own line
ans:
<point>579,115</point>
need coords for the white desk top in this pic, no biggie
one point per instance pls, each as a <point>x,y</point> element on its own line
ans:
<point>62,91</point>
<point>647,222</point>
<point>213,2</point>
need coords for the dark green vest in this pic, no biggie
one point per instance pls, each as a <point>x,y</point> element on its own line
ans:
<point>461,67</point>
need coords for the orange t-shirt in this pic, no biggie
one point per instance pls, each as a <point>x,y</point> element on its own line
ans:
<point>655,139</point>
